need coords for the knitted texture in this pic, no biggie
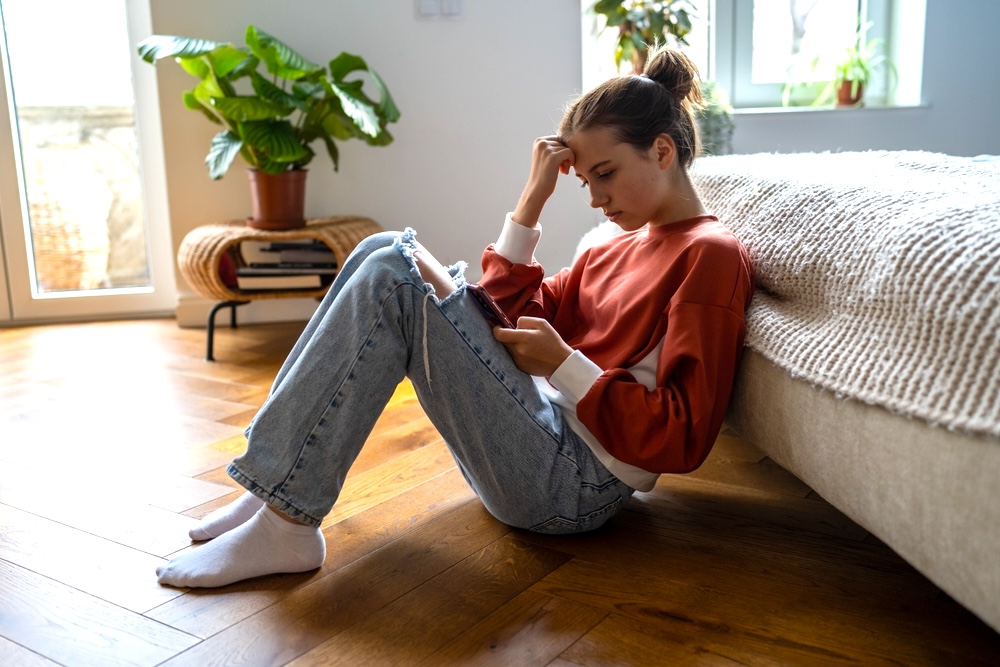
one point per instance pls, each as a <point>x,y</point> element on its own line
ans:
<point>878,274</point>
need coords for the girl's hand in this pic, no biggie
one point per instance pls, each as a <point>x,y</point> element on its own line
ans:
<point>537,349</point>
<point>549,158</point>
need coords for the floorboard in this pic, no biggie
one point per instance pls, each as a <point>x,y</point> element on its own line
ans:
<point>114,440</point>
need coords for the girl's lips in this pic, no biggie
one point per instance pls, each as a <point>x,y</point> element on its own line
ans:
<point>613,217</point>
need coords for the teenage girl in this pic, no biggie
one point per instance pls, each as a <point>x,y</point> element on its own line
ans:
<point>619,369</point>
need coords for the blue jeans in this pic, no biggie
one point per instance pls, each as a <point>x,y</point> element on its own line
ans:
<point>380,322</point>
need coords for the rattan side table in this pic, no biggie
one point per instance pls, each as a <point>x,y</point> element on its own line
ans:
<point>204,249</point>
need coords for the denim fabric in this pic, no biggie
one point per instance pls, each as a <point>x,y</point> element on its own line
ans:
<point>378,323</point>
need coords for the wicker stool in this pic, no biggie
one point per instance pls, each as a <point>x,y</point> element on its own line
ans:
<point>205,248</point>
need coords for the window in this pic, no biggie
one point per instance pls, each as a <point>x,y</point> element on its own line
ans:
<point>751,48</point>
<point>79,239</point>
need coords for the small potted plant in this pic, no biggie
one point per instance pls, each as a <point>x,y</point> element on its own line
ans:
<point>275,116</point>
<point>855,70</point>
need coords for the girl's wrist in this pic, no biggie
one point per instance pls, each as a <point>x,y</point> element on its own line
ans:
<point>526,212</point>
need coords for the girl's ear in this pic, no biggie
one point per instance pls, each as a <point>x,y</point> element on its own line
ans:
<point>665,150</point>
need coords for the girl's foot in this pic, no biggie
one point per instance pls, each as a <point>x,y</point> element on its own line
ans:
<point>226,518</point>
<point>266,544</point>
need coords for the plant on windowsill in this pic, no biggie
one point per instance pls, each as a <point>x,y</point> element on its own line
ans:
<point>853,72</point>
<point>275,120</point>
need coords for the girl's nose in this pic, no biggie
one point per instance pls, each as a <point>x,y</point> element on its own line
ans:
<point>597,198</point>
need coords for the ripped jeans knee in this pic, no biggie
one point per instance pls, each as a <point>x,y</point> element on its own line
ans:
<point>444,279</point>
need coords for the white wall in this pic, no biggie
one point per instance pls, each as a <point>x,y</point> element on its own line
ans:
<point>476,90</point>
<point>961,98</point>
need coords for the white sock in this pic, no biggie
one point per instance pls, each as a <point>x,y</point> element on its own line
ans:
<point>226,518</point>
<point>266,544</point>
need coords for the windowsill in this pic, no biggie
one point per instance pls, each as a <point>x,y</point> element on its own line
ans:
<point>875,108</point>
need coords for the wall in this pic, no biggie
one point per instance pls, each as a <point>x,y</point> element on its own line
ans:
<point>960,98</point>
<point>476,90</point>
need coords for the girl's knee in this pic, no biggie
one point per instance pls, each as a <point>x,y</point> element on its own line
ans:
<point>375,242</point>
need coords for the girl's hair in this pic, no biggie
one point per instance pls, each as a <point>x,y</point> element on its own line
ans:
<point>641,107</point>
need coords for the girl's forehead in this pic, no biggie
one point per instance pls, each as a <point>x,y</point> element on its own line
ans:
<point>593,142</point>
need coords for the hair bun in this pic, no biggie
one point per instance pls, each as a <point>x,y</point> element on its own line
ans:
<point>673,70</point>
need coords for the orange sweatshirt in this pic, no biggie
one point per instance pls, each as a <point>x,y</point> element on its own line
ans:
<point>656,319</point>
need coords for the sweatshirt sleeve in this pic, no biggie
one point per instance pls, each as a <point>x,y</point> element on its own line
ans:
<point>672,428</point>
<point>512,276</point>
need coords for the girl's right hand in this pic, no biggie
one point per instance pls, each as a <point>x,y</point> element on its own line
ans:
<point>549,158</point>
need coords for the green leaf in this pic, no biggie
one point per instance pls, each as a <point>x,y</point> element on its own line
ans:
<point>362,113</point>
<point>656,27</point>
<point>383,138</point>
<point>273,93</point>
<point>347,63</point>
<point>344,64</point>
<point>305,89</point>
<point>191,102</point>
<point>606,6</point>
<point>196,67</point>
<point>247,108</point>
<point>227,59</point>
<point>155,47</point>
<point>207,90</point>
<point>279,58</point>
<point>224,148</point>
<point>339,125</point>
<point>331,149</point>
<point>276,139</point>
<point>387,106</point>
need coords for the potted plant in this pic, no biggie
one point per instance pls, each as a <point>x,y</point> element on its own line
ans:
<point>273,105</point>
<point>641,23</point>
<point>715,121</point>
<point>855,70</point>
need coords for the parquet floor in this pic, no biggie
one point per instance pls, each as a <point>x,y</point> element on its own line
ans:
<point>113,439</point>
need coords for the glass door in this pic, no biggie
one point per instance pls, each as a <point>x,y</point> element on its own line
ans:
<point>82,202</point>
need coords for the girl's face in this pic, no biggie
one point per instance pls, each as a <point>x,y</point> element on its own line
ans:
<point>630,186</point>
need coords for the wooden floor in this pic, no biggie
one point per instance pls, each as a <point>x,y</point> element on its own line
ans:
<point>114,438</point>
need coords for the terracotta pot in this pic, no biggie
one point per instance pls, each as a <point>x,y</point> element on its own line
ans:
<point>846,99</point>
<point>278,200</point>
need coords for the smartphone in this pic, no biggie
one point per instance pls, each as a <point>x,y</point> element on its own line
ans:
<point>494,315</point>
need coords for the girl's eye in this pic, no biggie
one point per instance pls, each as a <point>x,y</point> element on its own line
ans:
<point>584,184</point>
<point>606,174</point>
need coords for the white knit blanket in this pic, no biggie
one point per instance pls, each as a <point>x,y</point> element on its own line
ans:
<point>878,274</point>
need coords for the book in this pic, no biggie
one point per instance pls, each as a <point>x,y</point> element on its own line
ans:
<point>305,281</point>
<point>286,270</point>
<point>305,251</point>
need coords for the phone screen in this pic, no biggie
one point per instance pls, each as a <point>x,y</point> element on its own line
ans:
<point>494,315</point>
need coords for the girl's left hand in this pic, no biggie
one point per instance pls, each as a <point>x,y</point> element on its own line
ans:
<point>537,349</point>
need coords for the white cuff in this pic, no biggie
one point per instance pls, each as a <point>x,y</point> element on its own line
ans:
<point>575,376</point>
<point>517,243</point>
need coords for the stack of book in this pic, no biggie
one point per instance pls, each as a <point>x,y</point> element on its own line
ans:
<point>302,264</point>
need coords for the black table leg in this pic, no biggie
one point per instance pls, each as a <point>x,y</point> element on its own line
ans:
<point>211,323</point>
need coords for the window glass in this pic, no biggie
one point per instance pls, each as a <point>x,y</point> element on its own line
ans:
<point>75,127</point>
<point>790,35</point>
